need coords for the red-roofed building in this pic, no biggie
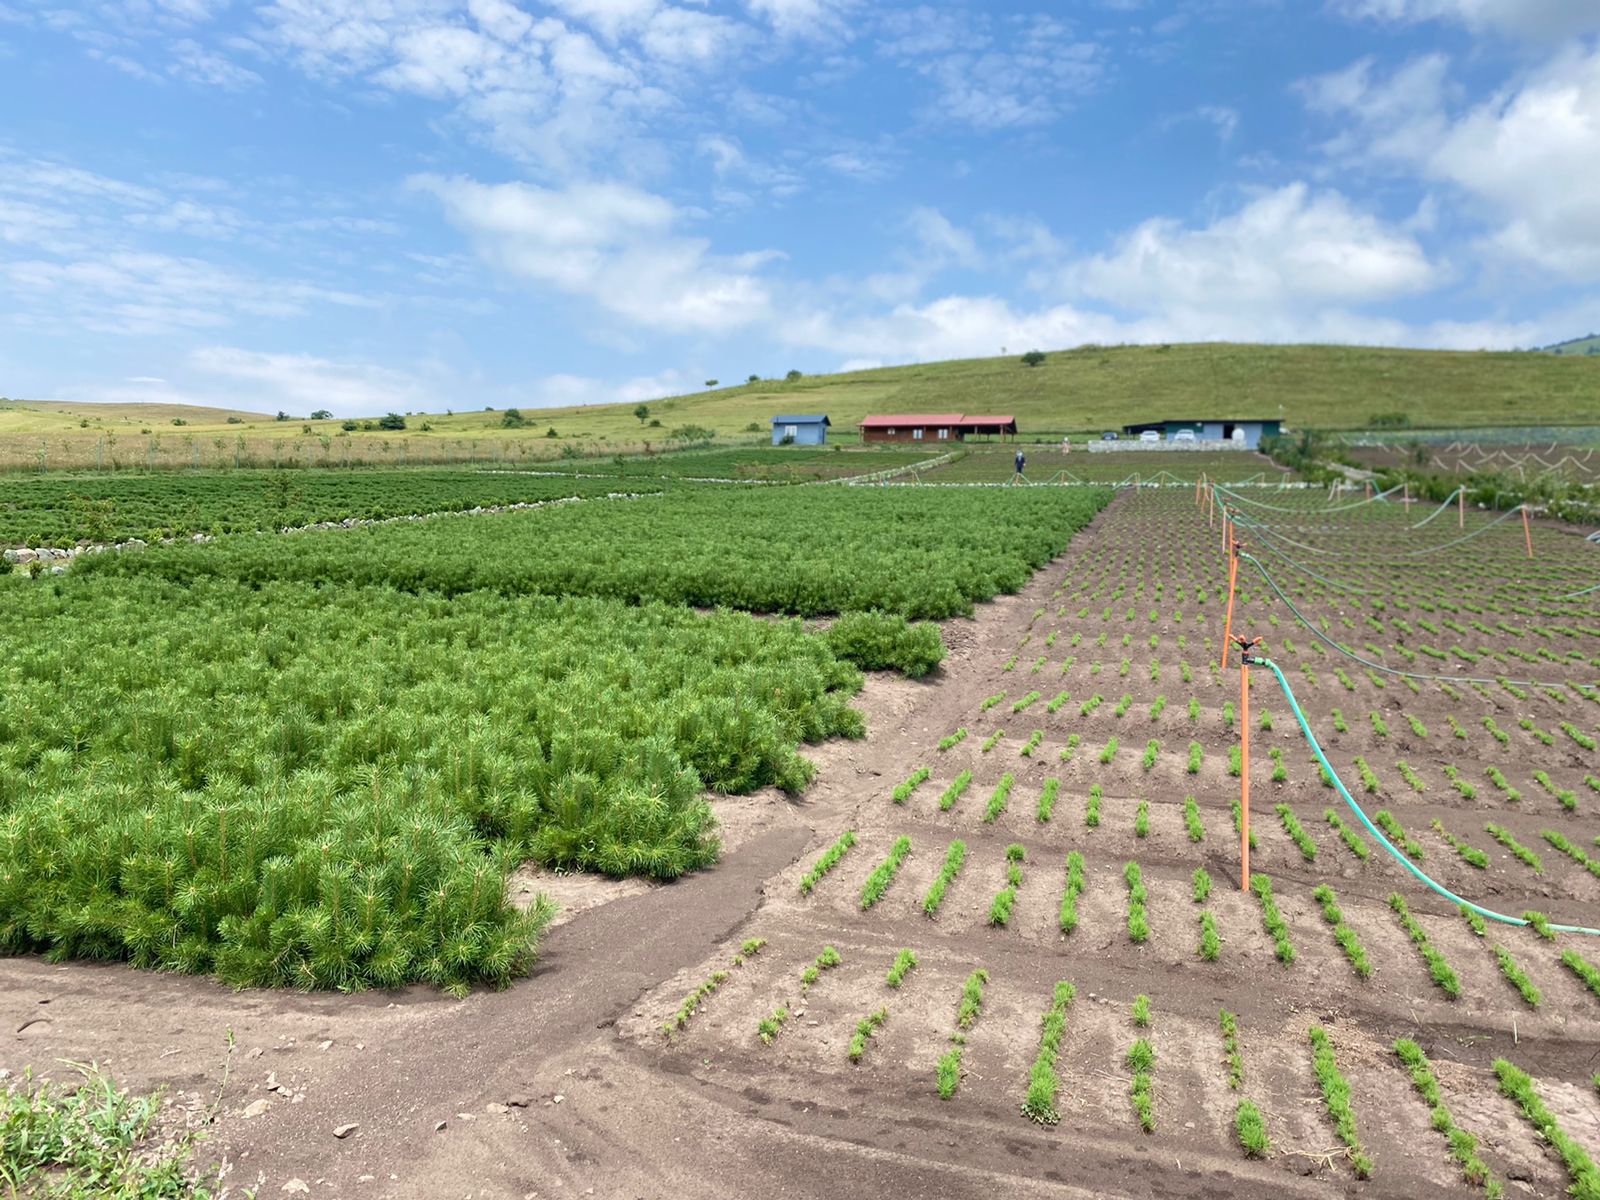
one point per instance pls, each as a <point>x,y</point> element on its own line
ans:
<point>934,427</point>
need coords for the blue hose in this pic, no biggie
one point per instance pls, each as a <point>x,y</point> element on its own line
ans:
<point>1405,862</point>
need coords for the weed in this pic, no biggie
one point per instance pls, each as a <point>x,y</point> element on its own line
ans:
<point>955,791</point>
<point>1438,968</point>
<point>954,857</point>
<point>883,874</point>
<point>1047,800</point>
<point>1191,820</point>
<point>1516,1086</point>
<point>903,964</point>
<point>902,793</point>
<point>1336,1095</point>
<point>865,1028</point>
<point>1040,1103</point>
<point>830,859</point>
<point>1297,833</point>
<point>1277,928</point>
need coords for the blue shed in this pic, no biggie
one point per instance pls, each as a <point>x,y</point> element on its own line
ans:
<point>800,431</point>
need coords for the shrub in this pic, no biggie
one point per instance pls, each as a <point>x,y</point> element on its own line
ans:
<point>879,641</point>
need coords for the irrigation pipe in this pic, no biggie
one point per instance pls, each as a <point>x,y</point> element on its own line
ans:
<point>1448,501</point>
<point>1377,666</point>
<point>1319,511</point>
<point>1426,880</point>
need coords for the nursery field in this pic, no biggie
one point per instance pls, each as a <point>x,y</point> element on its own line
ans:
<point>997,465</point>
<point>60,509</point>
<point>990,939</point>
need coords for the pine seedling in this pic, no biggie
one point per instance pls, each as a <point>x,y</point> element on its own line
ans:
<point>1272,920</point>
<point>955,791</point>
<point>1353,840</point>
<point>1138,894</point>
<point>1517,1087</point>
<point>1518,851</point>
<point>1202,885</point>
<point>1040,1102</point>
<point>903,792</point>
<point>1342,933</point>
<point>954,857</point>
<point>993,741</point>
<point>1191,820</point>
<point>1463,1145</point>
<point>1210,948</point>
<point>1336,1096</point>
<point>1074,888</point>
<point>830,859</point>
<point>883,874</point>
<point>1141,820</point>
<point>1070,748</point>
<point>1141,1060</point>
<point>1297,833</point>
<point>903,964</point>
<point>865,1028</point>
<point>999,798</point>
<point>953,739</point>
<point>1438,968</point>
<point>1091,814</point>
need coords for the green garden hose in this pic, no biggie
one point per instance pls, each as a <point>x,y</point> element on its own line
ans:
<point>1486,913</point>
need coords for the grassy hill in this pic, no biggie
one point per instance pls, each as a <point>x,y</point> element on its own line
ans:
<point>1077,391</point>
<point>1582,345</point>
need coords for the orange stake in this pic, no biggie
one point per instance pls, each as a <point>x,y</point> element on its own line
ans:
<point>1233,579</point>
<point>1527,535</point>
<point>1244,771</point>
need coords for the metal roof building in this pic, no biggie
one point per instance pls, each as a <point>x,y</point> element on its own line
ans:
<point>806,430</point>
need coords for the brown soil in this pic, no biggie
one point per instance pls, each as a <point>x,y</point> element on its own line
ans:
<point>567,1085</point>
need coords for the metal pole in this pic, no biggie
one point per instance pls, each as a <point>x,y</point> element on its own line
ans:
<point>1244,771</point>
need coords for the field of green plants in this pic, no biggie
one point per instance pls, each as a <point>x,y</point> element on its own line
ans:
<point>809,551</point>
<point>313,759</point>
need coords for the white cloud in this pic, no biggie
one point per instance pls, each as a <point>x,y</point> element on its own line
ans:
<point>193,62</point>
<point>1525,157</point>
<point>991,73</point>
<point>303,382</point>
<point>611,243</point>
<point>1541,19</point>
<point>1286,249</point>
<point>803,18</point>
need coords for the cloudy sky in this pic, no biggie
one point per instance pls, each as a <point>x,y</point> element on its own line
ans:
<point>374,204</point>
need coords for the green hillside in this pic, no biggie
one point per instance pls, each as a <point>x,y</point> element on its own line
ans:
<point>1582,345</point>
<point>1087,389</point>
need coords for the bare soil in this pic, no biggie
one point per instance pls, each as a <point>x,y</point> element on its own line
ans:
<point>567,1084</point>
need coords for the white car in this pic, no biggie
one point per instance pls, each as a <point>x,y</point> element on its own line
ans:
<point>1184,435</point>
<point>1149,435</point>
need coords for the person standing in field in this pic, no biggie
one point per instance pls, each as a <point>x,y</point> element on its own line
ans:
<point>1021,462</point>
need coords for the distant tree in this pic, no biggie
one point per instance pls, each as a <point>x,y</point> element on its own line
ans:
<point>753,427</point>
<point>322,414</point>
<point>792,376</point>
<point>175,421</point>
<point>391,421</point>
<point>512,418</point>
<point>642,412</point>
<point>655,422</point>
<point>282,416</point>
<point>235,420</point>
<point>349,426</point>
<point>551,432</point>
<point>1033,358</point>
<point>711,383</point>
<point>754,379</point>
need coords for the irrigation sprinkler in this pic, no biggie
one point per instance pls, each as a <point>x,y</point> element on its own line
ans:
<point>1246,658</point>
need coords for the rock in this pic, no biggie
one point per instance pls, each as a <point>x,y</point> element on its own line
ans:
<point>297,1185</point>
<point>439,1126</point>
<point>557,1099</point>
<point>255,1108</point>
<point>497,1109</point>
<point>344,1131</point>
<point>325,1046</point>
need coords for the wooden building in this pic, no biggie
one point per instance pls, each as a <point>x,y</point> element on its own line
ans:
<point>935,427</point>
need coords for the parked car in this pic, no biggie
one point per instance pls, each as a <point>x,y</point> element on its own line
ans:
<point>1108,437</point>
<point>1184,435</point>
<point>1149,435</point>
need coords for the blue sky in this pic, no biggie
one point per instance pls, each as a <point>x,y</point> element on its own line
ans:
<point>374,204</point>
